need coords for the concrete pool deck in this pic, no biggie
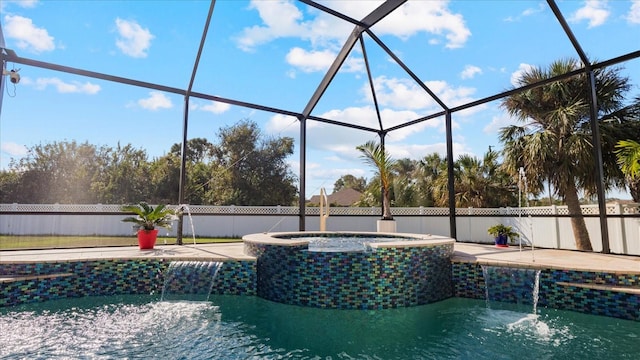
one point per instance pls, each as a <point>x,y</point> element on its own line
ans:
<point>465,252</point>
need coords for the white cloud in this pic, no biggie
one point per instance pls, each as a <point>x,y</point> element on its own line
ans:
<point>27,4</point>
<point>65,87</point>
<point>634,12</point>
<point>595,11</point>
<point>310,61</point>
<point>14,149</point>
<point>419,151</point>
<point>527,12</point>
<point>215,107</point>
<point>282,18</point>
<point>432,17</point>
<point>406,94</point>
<point>470,71</point>
<point>498,122</point>
<point>27,35</point>
<point>313,61</point>
<point>155,101</point>
<point>517,75</point>
<point>133,40</point>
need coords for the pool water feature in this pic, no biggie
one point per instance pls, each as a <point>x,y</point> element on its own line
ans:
<point>355,270</point>
<point>189,280</point>
<point>241,327</point>
<point>511,285</point>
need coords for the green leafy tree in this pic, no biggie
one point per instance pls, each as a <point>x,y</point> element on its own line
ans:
<point>350,182</point>
<point>200,165</point>
<point>59,172</point>
<point>252,170</point>
<point>553,142</point>
<point>9,186</point>
<point>164,176</point>
<point>122,175</point>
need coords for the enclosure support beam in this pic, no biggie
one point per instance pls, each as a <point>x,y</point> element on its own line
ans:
<point>597,156</point>
<point>595,130</point>
<point>303,172</point>
<point>450,177</point>
<point>185,125</point>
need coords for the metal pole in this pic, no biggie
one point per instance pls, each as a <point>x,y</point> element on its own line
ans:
<point>303,171</point>
<point>450,176</point>
<point>382,135</point>
<point>183,170</point>
<point>597,155</point>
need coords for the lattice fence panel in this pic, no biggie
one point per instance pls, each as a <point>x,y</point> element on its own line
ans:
<point>623,209</point>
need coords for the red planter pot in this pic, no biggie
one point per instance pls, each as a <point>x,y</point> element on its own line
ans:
<point>147,239</point>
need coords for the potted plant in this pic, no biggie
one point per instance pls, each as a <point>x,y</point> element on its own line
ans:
<point>147,219</point>
<point>374,154</point>
<point>502,234</point>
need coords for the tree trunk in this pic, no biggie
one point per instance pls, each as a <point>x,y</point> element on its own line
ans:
<point>580,233</point>
<point>386,206</point>
<point>634,189</point>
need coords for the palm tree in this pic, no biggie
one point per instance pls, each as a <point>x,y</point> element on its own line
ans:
<point>628,154</point>
<point>430,168</point>
<point>554,141</point>
<point>477,183</point>
<point>374,154</point>
<point>627,122</point>
<point>629,157</point>
<point>404,183</point>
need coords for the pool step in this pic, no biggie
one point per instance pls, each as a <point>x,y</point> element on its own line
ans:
<point>13,278</point>
<point>602,287</point>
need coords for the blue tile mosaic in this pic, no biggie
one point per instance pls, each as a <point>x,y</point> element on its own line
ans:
<point>561,289</point>
<point>377,279</point>
<point>47,281</point>
<point>385,278</point>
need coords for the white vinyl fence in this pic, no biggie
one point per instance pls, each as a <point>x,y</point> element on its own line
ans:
<point>546,227</point>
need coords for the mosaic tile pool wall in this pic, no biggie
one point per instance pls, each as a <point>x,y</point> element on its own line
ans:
<point>35,282</point>
<point>378,279</point>
<point>596,293</point>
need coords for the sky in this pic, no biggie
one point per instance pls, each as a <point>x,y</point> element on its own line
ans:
<point>275,53</point>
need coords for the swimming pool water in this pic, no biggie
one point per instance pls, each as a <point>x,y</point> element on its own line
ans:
<point>241,327</point>
<point>346,243</point>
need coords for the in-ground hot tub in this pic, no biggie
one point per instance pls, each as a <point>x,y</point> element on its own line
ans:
<point>352,270</point>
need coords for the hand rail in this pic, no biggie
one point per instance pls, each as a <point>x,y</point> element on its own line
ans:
<point>324,210</point>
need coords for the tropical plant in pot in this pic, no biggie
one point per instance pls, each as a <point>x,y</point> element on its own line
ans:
<point>502,234</point>
<point>147,219</point>
<point>375,155</point>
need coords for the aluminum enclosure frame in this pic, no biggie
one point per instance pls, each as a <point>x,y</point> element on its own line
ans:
<point>361,27</point>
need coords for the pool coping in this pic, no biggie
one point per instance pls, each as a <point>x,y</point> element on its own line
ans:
<point>421,240</point>
<point>463,252</point>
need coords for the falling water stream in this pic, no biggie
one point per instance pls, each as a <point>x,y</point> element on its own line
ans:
<point>185,207</point>
<point>511,285</point>
<point>189,280</point>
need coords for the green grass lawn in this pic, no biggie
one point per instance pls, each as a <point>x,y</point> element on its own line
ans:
<point>8,242</point>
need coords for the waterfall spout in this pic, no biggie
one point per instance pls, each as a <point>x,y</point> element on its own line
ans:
<point>511,285</point>
<point>189,280</point>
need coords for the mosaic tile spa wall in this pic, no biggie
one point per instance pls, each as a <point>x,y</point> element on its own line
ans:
<point>379,279</point>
